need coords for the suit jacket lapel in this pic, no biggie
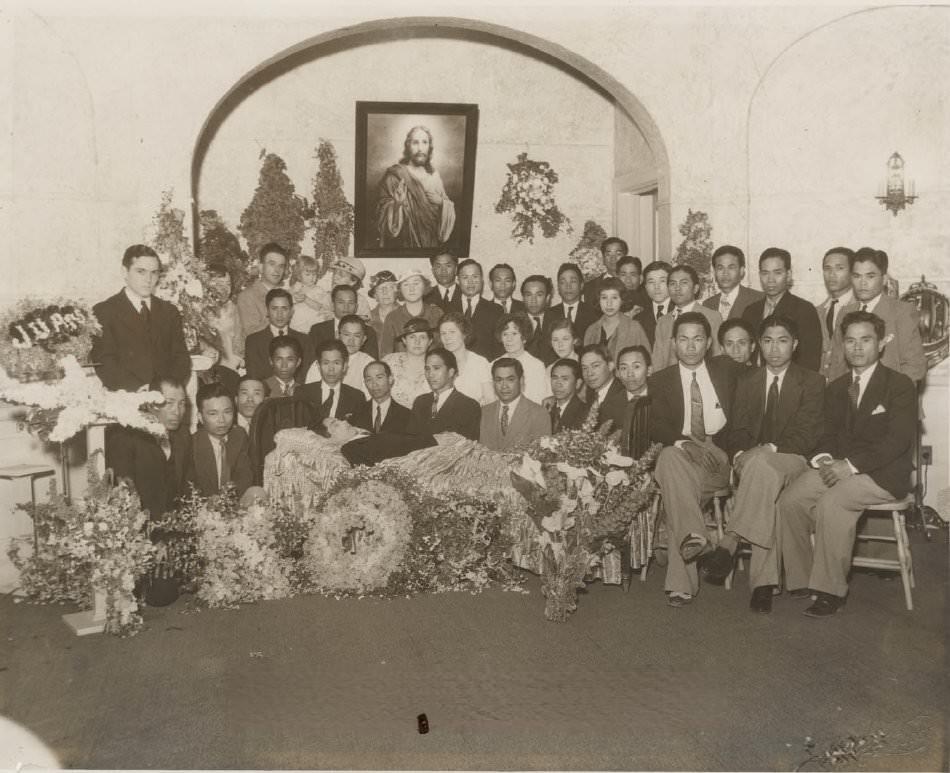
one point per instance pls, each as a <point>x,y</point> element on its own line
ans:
<point>874,394</point>
<point>789,398</point>
<point>205,464</point>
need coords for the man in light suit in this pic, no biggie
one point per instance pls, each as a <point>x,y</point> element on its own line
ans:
<point>775,275</point>
<point>142,336</point>
<point>690,408</point>
<point>280,312</point>
<point>836,273</point>
<point>251,301</point>
<point>865,458</point>
<point>777,422</point>
<point>903,347</point>
<point>733,297</point>
<point>684,286</point>
<point>482,315</point>
<point>219,448</point>
<point>656,283</point>
<point>381,413</point>
<point>512,420</point>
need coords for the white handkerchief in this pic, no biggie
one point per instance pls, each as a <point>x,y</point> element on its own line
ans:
<point>880,409</point>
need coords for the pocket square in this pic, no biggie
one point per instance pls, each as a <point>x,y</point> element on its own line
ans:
<point>880,409</point>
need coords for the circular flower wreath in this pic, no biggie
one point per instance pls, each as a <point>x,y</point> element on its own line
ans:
<point>529,195</point>
<point>35,335</point>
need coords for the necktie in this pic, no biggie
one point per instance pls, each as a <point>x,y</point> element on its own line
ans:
<point>864,307</point>
<point>676,312</point>
<point>468,311</point>
<point>328,404</point>
<point>555,418</point>
<point>146,315</point>
<point>570,314</point>
<point>830,317</point>
<point>697,424</point>
<point>445,296</point>
<point>504,420</point>
<point>435,404</point>
<point>724,307</point>
<point>767,434</point>
<point>659,311</point>
<point>377,422</point>
<point>224,474</point>
<point>854,389</point>
<point>537,323</point>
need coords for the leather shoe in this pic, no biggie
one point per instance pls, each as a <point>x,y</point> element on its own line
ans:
<point>825,605</point>
<point>800,593</point>
<point>762,599</point>
<point>716,565</point>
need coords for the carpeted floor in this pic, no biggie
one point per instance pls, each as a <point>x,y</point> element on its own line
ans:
<point>627,683</point>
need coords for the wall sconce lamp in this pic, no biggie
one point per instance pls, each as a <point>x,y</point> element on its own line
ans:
<point>891,193</point>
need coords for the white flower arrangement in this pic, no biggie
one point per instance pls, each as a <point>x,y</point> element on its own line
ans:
<point>529,195</point>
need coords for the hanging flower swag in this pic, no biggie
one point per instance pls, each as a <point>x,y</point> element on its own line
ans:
<point>529,195</point>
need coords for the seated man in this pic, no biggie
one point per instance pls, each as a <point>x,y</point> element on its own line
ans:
<point>381,413</point>
<point>737,340</point>
<point>777,422</point>
<point>280,311</point>
<point>865,458</point>
<point>512,420</point>
<point>691,404</point>
<point>568,411</point>
<point>603,390</point>
<point>157,468</point>
<point>219,448</point>
<point>330,397</point>
<point>633,370</point>
<point>353,335</point>
<point>250,393</point>
<point>285,357</point>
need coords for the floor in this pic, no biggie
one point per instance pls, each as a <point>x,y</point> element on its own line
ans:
<point>628,683</point>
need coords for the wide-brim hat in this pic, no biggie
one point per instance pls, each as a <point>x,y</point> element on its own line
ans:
<point>381,278</point>
<point>353,266</point>
<point>410,274</point>
<point>416,325</point>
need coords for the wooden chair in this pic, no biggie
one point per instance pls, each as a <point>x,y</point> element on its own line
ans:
<point>904,562</point>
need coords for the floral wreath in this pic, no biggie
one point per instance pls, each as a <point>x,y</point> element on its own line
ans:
<point>529,195</point>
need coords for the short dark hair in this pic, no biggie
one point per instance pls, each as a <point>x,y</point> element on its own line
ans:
<point>614,240</point>
<point>871,255</point>
<point>383,363</point>
<point>731,324</point>
<point>545,280</point>
<point>258,380</point>
<point>638,348</point>
<point>219,269</point>
<point>564,324</point>
<point>519,320</point>
<point>280,342</point>
<point>343,288</point>
<point>470,262</point>
<point>332,345</point>
<point>212,390</point>
<point>352,319</point>
<point>776,252</point>
<point>507,362</point>
<point>689,271</point>
<point>432,258</point>
<point>156,384</point>
<point>139,251</point>
<point>630,260</point>
<point>846,251</point>
<point>657,265</point>
<point>598,349</point>
<point>277,292</point>
<point>692,318</point>
<point>779,320</point>
<point>446,356</point>
<point>458,319</point>
<point>514,276</point>
<point>574,365</point>
<point>269,248</point>
<point>728,249</point>
<point>611,283</point>
<point>570,267</point>
<point>857,317</point>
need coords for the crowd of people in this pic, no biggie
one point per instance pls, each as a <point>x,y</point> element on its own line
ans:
<point>809,412</point>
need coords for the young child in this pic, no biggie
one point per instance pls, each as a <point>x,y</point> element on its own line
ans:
<point>285,356</point>
<point>311,301</point>
<point>219,449</point>
<point>353,336</point>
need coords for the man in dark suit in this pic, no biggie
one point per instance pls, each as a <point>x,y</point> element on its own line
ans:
<point>691,405</point>
<point>156,467</point>
<point>512,420</point>
<point>142,336</point>
<point>656,283</point>
<point>776,425</point>
<point>864,458</point>
<point>536,291</point>
<point>280,311</point>
<point>633,371</point>
<point>775,275</point>
<point>453,411</point>
<point>568,411</point>
<point>344,299</point>
<point>381,413</point>
<point>481,314</point>
<point>630,274</point>
<point>570,286</point>
<point>446,291</point>
<point>733,297</point>
<point>503,282</point>
<point>603,389</point>
<point>219,448</point>
<point>613,249</point>
<point>330,397</point>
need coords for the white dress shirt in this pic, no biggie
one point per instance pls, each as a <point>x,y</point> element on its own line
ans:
<point>324,394</point>
<point>511,410</point>
<point>136,300</point>
<point>871,304</point>
<point>383,410</point>
<point>443,396</point>
<point>714,418</point>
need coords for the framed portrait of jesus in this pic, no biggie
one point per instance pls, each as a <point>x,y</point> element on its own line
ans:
<point>415,175</point>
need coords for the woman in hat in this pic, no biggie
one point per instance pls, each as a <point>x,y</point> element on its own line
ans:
<point>351,271</point>
<point>413,285</point>
<point>383,290</point>
<point>513,332</point>
<point>408,366</point>
<point>474,373</point>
